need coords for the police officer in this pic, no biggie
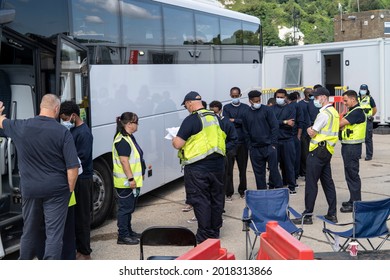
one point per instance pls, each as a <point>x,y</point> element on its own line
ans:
<point>201,144</point>
<point>261,131</point>
<point>324,136</point>
<point>353,133</point>
<point>368,105</point>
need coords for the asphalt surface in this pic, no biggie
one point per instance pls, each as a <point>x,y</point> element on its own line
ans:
<point>163,207</point>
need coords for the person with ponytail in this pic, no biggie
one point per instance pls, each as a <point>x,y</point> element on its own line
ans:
<point>128,172</point>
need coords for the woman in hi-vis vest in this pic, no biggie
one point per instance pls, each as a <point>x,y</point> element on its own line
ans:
<point>128,172</point>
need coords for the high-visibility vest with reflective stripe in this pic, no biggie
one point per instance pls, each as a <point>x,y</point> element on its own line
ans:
<point>357,131</point>
<point>211,139</point>
<point>72,200</point>
<point>365,104</point>
<point>329,133</point>
<point>120,177</point>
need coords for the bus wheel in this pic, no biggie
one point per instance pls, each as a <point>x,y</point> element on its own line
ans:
<point>102,194</point>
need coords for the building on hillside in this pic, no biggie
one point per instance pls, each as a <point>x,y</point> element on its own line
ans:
<point>363,25</point>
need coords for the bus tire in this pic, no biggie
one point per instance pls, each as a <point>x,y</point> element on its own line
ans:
<point>102,194</point>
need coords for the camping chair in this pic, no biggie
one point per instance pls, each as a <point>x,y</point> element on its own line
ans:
<point>263,206</point>
<point>166,236</point>
<point>369,221</point>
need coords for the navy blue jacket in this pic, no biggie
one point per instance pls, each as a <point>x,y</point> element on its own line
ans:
<point>285,112</point>
<point>306,117</point>
<point>313,111</point>
<point>260,127</point>
<point>231,134</point>
<point>236,113</point>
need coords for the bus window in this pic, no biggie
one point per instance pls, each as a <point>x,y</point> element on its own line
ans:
<point>178,26</point>
<point>231,40</point>
<point>142,23</point>
<point>95,21</point>
<point>207,29</point>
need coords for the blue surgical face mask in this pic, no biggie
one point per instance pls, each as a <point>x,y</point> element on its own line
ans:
<point>67,124</point>
<point>280,101</point>
<point>256,106</point>
<point>236,101</point>
<point>363,92</point>
<point>317,103</point>
<point>311,97</point>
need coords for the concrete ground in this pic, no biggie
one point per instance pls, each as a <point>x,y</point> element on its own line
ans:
<point>163,207</point>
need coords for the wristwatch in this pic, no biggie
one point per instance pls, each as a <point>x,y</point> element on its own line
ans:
<point>130,179</point>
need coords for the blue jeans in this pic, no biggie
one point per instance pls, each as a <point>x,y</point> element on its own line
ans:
<point>126,206</point>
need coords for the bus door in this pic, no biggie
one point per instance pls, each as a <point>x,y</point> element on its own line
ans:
<point>72,78</point>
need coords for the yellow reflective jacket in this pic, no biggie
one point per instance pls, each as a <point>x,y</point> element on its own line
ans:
<point>211,139</point>
<point>120,177</point>
<point>329,133</point>
<point>354,133</point>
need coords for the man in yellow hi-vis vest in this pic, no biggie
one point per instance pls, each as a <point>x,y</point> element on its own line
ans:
<point>201,144</point>
<point>353,134</point>
<point>324,136</point>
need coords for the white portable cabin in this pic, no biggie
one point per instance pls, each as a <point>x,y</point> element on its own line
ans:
<point>349,63</point>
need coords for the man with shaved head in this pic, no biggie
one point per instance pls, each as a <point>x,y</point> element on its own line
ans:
<point>48,167</point>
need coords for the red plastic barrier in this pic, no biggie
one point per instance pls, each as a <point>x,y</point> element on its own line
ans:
<point>209,249</point>
<point>339,105</point>
<point>277,244</point>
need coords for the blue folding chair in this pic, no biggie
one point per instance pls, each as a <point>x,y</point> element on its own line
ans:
<point>263,206</point>
<point>369,221</point>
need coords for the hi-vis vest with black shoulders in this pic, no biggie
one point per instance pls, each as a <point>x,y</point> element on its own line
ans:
<point>354,133</point>
<point>329,133</point>
<point>211,139</point>
<point>120,177</point>
<point>365,104</point>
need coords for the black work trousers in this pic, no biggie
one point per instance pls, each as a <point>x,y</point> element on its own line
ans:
<point>83,208</point>
<point>368,140</point>
<point>318,168</point>
<point>305,142</point>
<point>241,158</point>
<point>204,191</point>
<point>351,154</point>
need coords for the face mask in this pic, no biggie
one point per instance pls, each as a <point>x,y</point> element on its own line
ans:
<point>317,103</point>
<point>363,92</point>
<point>235,101</point>
<point>68,124</point>
<point>311,97</point>
<point>280,101</point>
<point>256,106</point>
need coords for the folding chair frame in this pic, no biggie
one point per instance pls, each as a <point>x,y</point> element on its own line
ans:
<point>249,224</point>
<point>350,234</point>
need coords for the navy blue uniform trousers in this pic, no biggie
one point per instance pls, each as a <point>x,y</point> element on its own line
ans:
<point>318,168</point>
<point>205,192</point>
<point>351,154</point>
<point>260,156</point>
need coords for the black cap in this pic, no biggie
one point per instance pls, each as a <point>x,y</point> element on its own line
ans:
<point>364,87</point>
<point>192,95</point>
<point>321,91</point>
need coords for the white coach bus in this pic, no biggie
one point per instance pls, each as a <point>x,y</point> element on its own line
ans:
<point>112,56</point>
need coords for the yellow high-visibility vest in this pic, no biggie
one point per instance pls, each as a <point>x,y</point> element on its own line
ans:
<point>329,133</point>
<point>354,133</point>
<point>120,177</point>
<point>211,139</point>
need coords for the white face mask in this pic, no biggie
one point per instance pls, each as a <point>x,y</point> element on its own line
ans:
<point>317,103</point>
<point>363,92</point>
<point>236,101</point>
<point>67,124</point>
<point>256,106</point>
<point>280,101</point>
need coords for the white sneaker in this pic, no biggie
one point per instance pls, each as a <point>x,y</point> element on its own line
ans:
<point>229,199</point>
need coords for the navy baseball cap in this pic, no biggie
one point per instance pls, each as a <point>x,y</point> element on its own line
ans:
<point>364,87</point>
<point>192,95</point>
<point>321,91</point>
